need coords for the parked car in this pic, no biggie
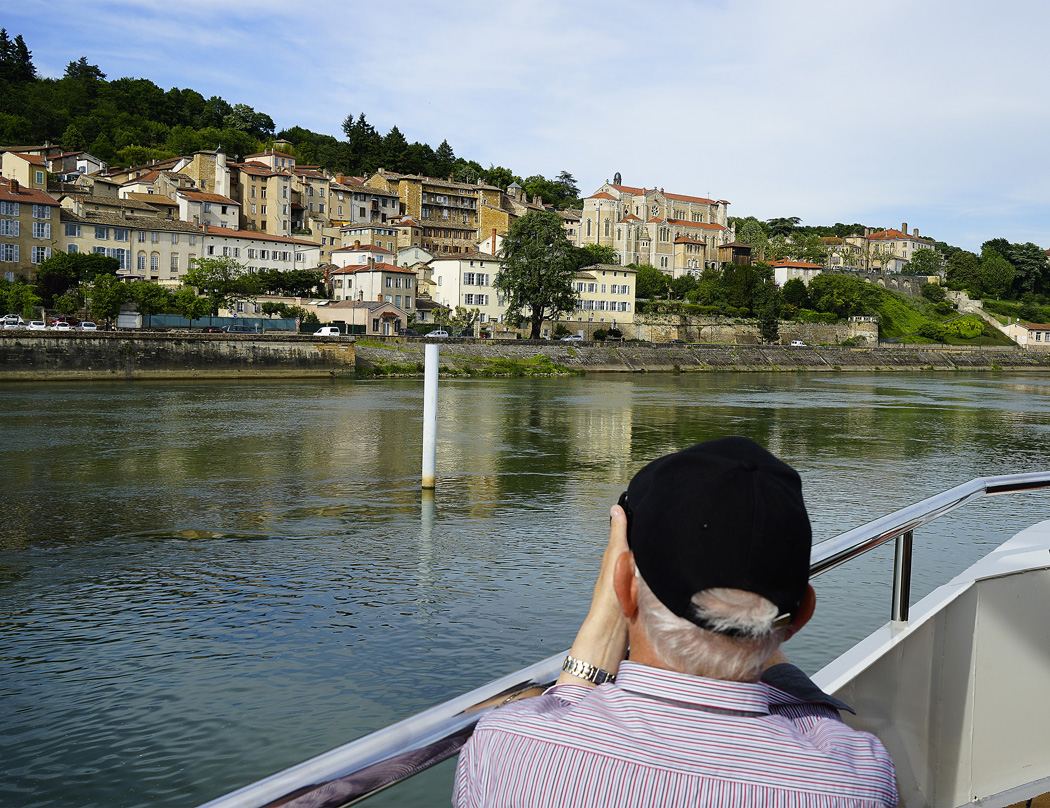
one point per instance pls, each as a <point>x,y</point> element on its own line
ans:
<point>328,331</point>
<point>678,342</point>
<point>407,332</point>
<point>797,343</point>
<point>211,329</point>
<point>13,321</point>
<point>438,333</point>
<point>61,325</point>
<point>87,326</point>
<point>37,325</point>
<point>239,329</point>
<point>70,321</point>
<point>572,338</point>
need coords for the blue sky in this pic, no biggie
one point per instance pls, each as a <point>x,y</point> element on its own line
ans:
<point>931,112</point>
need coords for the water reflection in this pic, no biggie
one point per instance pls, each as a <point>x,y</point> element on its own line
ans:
<point>203,582</point>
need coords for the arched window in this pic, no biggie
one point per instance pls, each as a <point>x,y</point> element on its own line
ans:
<point>619,234</point>
<point>588,227</point>
<point>142,261</point>
<point>606,227</point>
<point>154,262</point>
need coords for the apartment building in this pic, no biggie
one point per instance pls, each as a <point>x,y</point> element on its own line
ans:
<point>643,226</point>
<point>27,169</point>
<point>606,291</point>
<point>29,222</point>
<point>265,197</point>
<point>203,208</point>
<point>148,248</point>
<point>375,281</point>
<point>889,250</point>
<point>258,250</point>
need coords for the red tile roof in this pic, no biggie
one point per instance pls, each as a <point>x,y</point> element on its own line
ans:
<point>682,198</point>
<point>35,159</point>
<point>365,248</point>
<point>255,235</point>
<point>201,196</point>
<point>30,195</point>
<point>784,262</point>
<point>379,266</point>
<point>628,189</point>
<point>700,225</point>
<point>891,233</point>
<point>602,195</point>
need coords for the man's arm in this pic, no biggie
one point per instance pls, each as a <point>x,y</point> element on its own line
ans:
<point>602,638</point>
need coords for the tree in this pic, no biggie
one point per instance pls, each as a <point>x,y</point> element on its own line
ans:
<point>568,182</point>
<point>933,292</point>
<point>221,280</point>
<point>750,231</point>
<point>924,261</point>
<point>444,159</point>
<point>784,226</point>
<point>590,254</point>
<point>964,272</point>
<point>82,71</point>
<point>106,293</point>
<point>796,294</point>
<point>72,139</point>
<point>189,305</point>
<point>997,274</point>
<point>650,283</point>
<point>537,270</point>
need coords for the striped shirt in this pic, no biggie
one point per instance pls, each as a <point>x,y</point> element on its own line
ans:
<point>661,738</point>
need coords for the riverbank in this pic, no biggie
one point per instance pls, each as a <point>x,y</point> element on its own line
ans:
<point>29,356</point>
<point>464,357</point>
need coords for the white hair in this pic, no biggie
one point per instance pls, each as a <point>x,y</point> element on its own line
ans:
<point>683,646</point>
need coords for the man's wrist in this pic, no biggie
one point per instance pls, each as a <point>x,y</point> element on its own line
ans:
<point>585,670</point>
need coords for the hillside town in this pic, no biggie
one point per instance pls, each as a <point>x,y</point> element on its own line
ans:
<point>392,248</point>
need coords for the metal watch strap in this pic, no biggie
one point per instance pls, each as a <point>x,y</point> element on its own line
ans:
<point>585,670</point>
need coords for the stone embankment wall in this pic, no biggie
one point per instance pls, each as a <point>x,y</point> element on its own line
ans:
<point>628,357</point>
<point>26,355</point>
<point>60,356</point>
<point>666,327</point>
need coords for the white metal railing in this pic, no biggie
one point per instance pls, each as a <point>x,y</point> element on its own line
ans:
<point>360,768</point>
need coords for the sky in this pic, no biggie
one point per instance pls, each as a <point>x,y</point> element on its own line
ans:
<point>930,112</point>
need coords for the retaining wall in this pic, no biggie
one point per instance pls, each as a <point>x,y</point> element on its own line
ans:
<point>27,355</point>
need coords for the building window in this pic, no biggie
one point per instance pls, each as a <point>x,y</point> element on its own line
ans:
<point>40,254</point>
<point>154,263</point>
<point>72,230</point>
<point>9,227</point>
<point>8,208</point>
<point>41,212</point>
<point>142,236</point>
<point>174,262</point>
<point>102,234</point>
<point>41,230</point>
<point>141,261</point>
<point>72,249</point>
<point>174,238</point>
<point>121,234</point>
<point>8,252</point>
<point>154,237</point>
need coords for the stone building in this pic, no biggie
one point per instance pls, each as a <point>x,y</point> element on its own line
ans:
<point>29,229</point>
<point>645,225</point>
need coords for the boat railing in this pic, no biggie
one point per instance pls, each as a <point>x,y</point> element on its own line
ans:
<point>360,768</point>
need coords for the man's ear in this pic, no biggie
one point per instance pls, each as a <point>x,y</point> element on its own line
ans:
<point>625,584</point>
<point>805,611</point>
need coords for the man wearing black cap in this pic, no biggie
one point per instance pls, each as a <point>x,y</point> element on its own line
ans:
<point>705,575</point>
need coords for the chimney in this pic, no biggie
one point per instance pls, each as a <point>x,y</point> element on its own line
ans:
<point>357,244</point>
<point>14,186</point>
<point>915,232</point>
<point>904,228</point>
<point>381,171</point>
<point>372,265</point>
<point>493,240</point>
<point>205,228</point>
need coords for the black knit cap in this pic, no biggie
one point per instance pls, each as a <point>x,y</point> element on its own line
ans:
<point>725,513</point>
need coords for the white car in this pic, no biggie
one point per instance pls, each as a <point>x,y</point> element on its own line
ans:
<point>328,331</point>
<point>61,327</point>
<point>87,327</point>
<point>13,321</point>
<point>797,343</point>
<point>572,338</point>
<point>37,325</point>
<point>439,333</point>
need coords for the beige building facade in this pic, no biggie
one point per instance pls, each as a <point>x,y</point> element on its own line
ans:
<point>29,229</point>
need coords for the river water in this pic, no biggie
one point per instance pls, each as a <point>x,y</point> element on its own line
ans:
<point>202,583</point>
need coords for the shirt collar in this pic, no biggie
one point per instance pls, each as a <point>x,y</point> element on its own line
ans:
<point>745,697</point>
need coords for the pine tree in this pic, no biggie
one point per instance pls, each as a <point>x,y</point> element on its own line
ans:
<point>444,159</point>
<point>23,61</point>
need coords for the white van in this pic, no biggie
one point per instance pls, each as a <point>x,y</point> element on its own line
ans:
<point>797,343</point>
<point>328,331</point>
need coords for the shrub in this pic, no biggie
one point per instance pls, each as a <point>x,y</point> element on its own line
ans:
<point>599,335</point>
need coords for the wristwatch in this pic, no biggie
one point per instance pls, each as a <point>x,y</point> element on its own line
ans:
<point>585,670</point>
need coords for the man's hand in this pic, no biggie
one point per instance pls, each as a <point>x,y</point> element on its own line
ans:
<point>602,639</point>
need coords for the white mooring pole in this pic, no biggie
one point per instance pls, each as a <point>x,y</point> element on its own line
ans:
<point>430,411</point>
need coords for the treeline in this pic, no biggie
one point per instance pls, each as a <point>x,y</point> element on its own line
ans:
<point>128,122</point>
